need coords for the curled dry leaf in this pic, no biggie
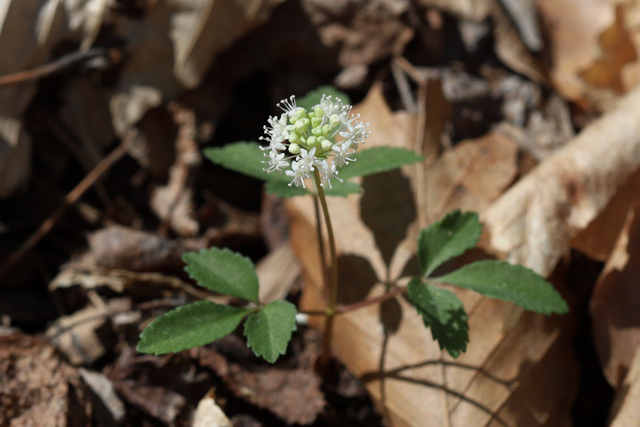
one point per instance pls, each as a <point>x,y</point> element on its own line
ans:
<point>533,222</point>
<point>173,203</point>
<point>594,46</point>
<point>517,375</point>
<point>172,48</point>
<point>626,411</point>
<point>615,302</point>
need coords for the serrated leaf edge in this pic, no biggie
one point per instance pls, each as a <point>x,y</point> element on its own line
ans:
<point>227,250</point>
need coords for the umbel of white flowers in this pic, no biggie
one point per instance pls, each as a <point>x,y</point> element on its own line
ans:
<point>309,138</point>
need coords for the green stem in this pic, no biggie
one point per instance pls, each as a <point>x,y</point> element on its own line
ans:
<point>325,356</point>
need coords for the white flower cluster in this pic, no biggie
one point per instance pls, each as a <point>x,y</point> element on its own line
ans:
<point>309,138</point>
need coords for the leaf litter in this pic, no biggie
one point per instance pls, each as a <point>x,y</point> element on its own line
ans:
<point>179,75</point>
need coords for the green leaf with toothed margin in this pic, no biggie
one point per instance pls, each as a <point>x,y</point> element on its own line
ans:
<point>508,282</point>
<point>269,331</point>
<point>223,271</point>
<point>190,326</point>
<point>451,236</point>
<point>443,313</point>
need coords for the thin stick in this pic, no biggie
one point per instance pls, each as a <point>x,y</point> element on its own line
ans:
<point>69,200</point>
<point>59,65</point>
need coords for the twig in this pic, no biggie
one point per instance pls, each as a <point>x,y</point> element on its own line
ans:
<point>59,65</point>
<point>69,200</point>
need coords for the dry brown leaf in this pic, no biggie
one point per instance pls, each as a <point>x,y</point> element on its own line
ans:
<point>520,376</point>
<point>625,410</point>
<point>615,302</point>
<point>598,239</point>
<point>509,45</point>
<point>595,45</point>
<point>173,47</point>
<point>533,222</point>
<point>37,385</point>
<point>173,202</point>
<point>209,414</point>
<point>81,336</point>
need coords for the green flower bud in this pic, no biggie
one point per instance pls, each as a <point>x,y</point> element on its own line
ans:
<point>316,122</point>
<point>326,145</point>
<point>319,112</point>
<point>311,141</point>
<point>294,148</point>
<point>302,124</point>
<point>334,120</point>
<point>300,113</point>
<point>316,132</point>
<point>294,137</point>
<point>310,115</point>
<point>326,129</point>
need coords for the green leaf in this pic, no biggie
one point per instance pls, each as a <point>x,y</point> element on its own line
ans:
<point>269,331</point>
<point>377,160</point>
<point>282,189</point>
<point>447,238</point>
<point>190,326</point>
<point>508,282</point>
<point>342,189</point>
<point>444,313</point>
<point>313,98</point>
<point>244,157</point>
<point>223,271</point>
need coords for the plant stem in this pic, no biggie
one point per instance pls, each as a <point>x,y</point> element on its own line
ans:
<point>323,256</point>
<point>325,356</point>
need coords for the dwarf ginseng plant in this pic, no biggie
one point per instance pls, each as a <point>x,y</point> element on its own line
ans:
<point>315,144</point>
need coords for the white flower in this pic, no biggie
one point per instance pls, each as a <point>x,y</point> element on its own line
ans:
<point>298,174</point>
<point>307,159</point>
<point>328,172</point>
<point>288,105</point>
<point>342,153</point>
<point>276,161</point>
<point>321,139</point>
<point>355,132</point>
<point>278,130</point>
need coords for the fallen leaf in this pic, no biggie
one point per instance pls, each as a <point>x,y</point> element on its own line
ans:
<point>625,411</point>
<point>173,202</point>
<point>37,385</point>
<point>598,239</point>
<point>111,411</point>
<point>209,414</point>
<point>82,336</point>
<point>615,302</point>
<point>533,222</point>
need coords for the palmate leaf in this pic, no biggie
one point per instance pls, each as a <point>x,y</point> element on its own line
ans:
<point>223,271</point>
<point>443,312</point>
<point>508,282</point>
<point>190,326</point>
<point>451,236</point>
<point>376,160</point>
<point>269,331</point>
